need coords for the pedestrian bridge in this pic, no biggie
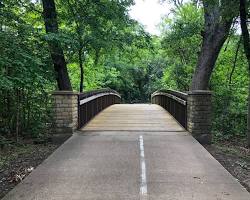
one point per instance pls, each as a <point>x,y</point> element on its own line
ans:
<point>130,152</point>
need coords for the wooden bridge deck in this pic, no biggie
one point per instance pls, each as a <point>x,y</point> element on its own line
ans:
<point>130,152</point>
<point>133,117</point>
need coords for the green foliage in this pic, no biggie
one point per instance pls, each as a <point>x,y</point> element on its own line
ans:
<point>26,77</point>
<point>134,71</point>
<point>230,95</point>
<point>181,42</point>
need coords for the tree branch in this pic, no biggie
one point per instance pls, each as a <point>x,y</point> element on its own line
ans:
<point>235,61</point>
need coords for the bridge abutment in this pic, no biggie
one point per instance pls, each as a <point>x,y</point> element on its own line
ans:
<point>65,114</point>
<point>199,111</point>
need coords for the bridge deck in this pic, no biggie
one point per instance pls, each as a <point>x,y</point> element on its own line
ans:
<point>134,117</point>
<point>130,152</point>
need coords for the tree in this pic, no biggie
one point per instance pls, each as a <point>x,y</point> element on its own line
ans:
<point>56,51</point>
<point>246,42</point>
<point>218,17</point>
<point>96,26</point>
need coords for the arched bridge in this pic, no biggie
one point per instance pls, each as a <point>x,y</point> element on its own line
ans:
<point>191,110</point>
<point>131,151</point>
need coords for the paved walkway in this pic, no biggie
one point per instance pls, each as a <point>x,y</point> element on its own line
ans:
<point>130,152</point>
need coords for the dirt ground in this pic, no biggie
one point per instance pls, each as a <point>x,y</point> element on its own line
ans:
<point>236,159</point>
<point>16,162</point>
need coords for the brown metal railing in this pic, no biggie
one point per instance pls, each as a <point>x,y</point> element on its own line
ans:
<point>92,102</point>
<point>174,102</point>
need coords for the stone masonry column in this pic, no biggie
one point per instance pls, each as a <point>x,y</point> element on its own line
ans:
<point>65,114</point>
<point>199,111</point>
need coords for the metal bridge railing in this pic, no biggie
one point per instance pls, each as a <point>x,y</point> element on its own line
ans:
<point>92,102</point>
<point>174,102</point>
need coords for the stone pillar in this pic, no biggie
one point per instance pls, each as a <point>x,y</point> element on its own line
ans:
<point>199,111</point>
<point>65,113</point>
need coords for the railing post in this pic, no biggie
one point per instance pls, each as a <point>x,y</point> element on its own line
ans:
<point>199,110</point>
<point>65,114</point>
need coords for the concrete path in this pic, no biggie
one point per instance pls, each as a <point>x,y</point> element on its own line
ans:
<point>130,152</point>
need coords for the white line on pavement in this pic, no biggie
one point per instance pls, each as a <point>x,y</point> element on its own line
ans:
<point>143,187</point>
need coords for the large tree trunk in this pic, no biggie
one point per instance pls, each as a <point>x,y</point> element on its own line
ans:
<point>216,30</point>
<point>51,25</point>
<point>246,42</point>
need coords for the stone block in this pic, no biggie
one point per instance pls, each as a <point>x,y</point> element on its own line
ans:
<point>199,112</point>
<point>65,109</point>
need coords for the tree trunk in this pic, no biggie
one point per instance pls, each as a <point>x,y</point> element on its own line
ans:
<point>248,117</point>
<point>9,113</point>
<point>97,56</point>
<point>206,61</point>
<point>17,115</point>
<point>215,33</point>
<point>56,51</point>
<point>81,68</point>
<point>246,42</point>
